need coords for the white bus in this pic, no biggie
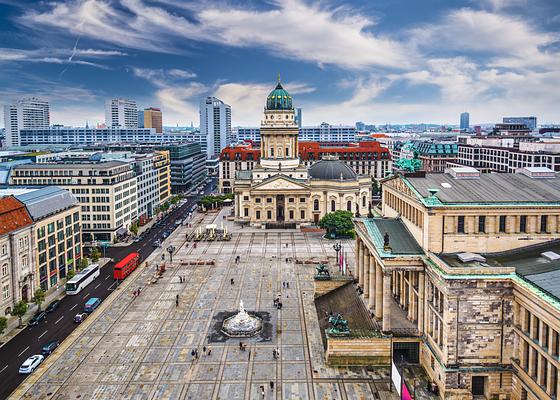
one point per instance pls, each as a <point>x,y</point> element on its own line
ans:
<point>82,279</point>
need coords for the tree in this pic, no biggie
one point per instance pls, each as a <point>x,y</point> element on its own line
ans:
<point>374,187</point>
<point>95,254</point>
<point>83,263</point>
<point>134,228</point>
<point>19,311</point>
<point>338,223</point>
<point>70,274</point>
<point>3,325</point>
<point>39,297</point>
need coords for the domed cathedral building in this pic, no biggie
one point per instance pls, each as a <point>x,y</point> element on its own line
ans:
<point>280,191</point>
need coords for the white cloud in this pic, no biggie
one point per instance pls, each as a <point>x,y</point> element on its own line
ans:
<point>501,4</point>
<point>57,56</point>
<point>292,29</point>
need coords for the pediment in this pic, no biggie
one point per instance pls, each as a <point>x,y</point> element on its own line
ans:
<point>280,183</point>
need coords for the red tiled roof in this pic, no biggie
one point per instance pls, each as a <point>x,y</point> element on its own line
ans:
<point>306,148</point>
<point>13,215</point>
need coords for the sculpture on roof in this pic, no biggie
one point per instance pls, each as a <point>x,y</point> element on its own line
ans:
<point>339,326</point>
<point>322,273</point>
<point>409,160</point>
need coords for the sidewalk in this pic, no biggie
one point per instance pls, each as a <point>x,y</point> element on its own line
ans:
<point>54,293</point>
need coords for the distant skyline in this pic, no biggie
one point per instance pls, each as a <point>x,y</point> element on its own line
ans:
<point>385,61</point>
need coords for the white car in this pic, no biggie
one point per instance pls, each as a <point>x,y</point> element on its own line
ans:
<point>31,364</point>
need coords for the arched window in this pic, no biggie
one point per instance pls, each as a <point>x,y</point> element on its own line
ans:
<point>349,205</point>
<point>364,201</point>
<point>316,204</point>
<point>333,205</point>
<point>272,152</point>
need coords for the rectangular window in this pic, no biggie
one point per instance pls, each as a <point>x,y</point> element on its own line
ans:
<point>291,200</point>
<point>482,224</point>
<point>291,214</point>
<point>257,214</point>
<point>302,214</point>
<point>502,227</point>
<point>523,223</point>
<point>544,223</point>
<point>246,212</point>
<point>461,224</point>
<point>258,200</point>
<point>269,214</point>
<point>50,228</point>
<point>269,199</point>
<point>302,199</point>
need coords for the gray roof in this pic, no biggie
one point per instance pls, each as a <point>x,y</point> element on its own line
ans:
<point>489,188</point>
<point>400,239</point>
<point>331,170</point>
<point>243,174</point>
<point>46,201</point>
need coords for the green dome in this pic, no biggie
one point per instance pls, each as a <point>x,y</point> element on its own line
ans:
<point>279,99</point>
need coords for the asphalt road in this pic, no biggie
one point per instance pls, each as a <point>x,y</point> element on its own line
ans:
<point>59,324</point>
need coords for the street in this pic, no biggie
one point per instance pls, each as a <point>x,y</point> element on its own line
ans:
<point>59,324</point>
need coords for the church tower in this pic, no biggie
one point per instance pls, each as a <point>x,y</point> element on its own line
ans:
<point>279,132</point>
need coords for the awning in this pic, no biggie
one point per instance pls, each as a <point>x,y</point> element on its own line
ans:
<point>121,231</point>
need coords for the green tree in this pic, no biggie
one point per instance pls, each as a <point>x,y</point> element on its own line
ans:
<point>70,274</point>
<point>83,263</point>
<point>374,187</point>
<point>338,223</point>
<point>39,297</point>
<point>3,325</point>
<point>134,228</point>
<point>95,254</point>
<point>19,311</point>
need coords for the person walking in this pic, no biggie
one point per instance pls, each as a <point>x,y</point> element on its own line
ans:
<point>262,391</point>
<point>177,301</point>
<point>204,350</point>
<point>249,357</point>
<point>271,385</point>
<point>274,354</point>
<point>209,351</point>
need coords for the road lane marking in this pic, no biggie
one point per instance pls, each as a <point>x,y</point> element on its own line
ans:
<point>110,287</point>
<point>58,320</point>
<point>43,334</point>
<point>99,284</point>
<point>3,369</point>
<point>75,305</point>
<point>24,350</point>
<point>108,276</point>
<point>86,296</point>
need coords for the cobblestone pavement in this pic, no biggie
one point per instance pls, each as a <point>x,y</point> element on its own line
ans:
<point>140,348</point>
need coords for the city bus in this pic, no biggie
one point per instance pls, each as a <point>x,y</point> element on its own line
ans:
<point>82,279</point>
<point>126,266</point>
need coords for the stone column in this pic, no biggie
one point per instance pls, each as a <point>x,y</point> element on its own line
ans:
<point>357,262</point>
<point>372,267</point>
<point>387,300</point>
<point>421,302</point>
<point>362,259</point>
<point>378,292</point>
<point>410,297</point>
<point>366,273</point>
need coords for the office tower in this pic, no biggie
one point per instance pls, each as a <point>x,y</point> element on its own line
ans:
<point>298,117</point>
<point>215,125</point>
<point>141,119</point>
<point>530,122</point>
<point>122,113</point>
<point>152,118</point>
<point>464,121</point>
<point>28,113</point>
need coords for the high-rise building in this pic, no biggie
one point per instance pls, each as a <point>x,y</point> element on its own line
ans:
<point>122,113</point>
<point>140,118</point>
<point>28,113</point>
<point>215,125</point>
<point>530,122</point>
<point>464,121</point>
<point>152,118</point>
<point>298,117</point>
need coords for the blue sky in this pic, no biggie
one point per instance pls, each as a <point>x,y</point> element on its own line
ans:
<point>385,61</point>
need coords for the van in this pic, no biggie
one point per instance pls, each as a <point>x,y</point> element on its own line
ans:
<point>92,304</point>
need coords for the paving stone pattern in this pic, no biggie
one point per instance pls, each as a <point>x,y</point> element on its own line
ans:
<point>140,348</point>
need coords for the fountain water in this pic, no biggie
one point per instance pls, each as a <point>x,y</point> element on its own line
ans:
<point>242,324</point>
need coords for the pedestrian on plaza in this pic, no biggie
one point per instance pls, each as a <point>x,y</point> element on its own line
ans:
<point>192,354</point>
<point>274,354</point>
<point>271,385</point>
<point>249,357</point>
<point>209,351</point>
<point>196,353</point>
<point>241,346</point>
<point>287,285</point>
<point>262,391</point>
<point>231,281</point>
<point>277,352</point>
<point>204,350</point>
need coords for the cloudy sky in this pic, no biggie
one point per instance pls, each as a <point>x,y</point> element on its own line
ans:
<point>378,61</point>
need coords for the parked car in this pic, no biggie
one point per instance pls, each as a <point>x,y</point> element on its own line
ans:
<point>79,318</point>
<point>39,317</point>
<point>50,347</point>
<point>53,306</point>
<point>92,304</point>
<point>156,243</point>
<point>31,363</point>
<point>165,234</point>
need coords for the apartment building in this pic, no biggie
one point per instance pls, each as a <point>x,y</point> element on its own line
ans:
<point>461,272</point>
<point>320,133</point>
<point>365,158</point>
<point>28,113</point>
<point>188,166</point>
<point>17,254</point>
<point>57,231</point>
<point>121,113</point>
<point>106,191</point>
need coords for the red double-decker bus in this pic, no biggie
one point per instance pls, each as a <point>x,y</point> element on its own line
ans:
<point>126,266</point>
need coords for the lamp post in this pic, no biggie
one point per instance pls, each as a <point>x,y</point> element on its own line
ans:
<point>337,248</point>
<point>170,250</point>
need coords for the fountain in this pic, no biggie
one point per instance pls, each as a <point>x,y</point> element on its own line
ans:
<point>242,324</point>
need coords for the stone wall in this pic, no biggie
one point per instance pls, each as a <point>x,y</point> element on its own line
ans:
<point>358,351</point>
<point>323,287</point>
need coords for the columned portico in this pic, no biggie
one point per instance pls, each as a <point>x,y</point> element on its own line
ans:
<point>366,273</point>
<point>372,275</point>
<point>387,299</point>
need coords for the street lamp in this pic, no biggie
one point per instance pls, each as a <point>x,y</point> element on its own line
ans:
<point>170,250</point>
<point>337,248</point>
